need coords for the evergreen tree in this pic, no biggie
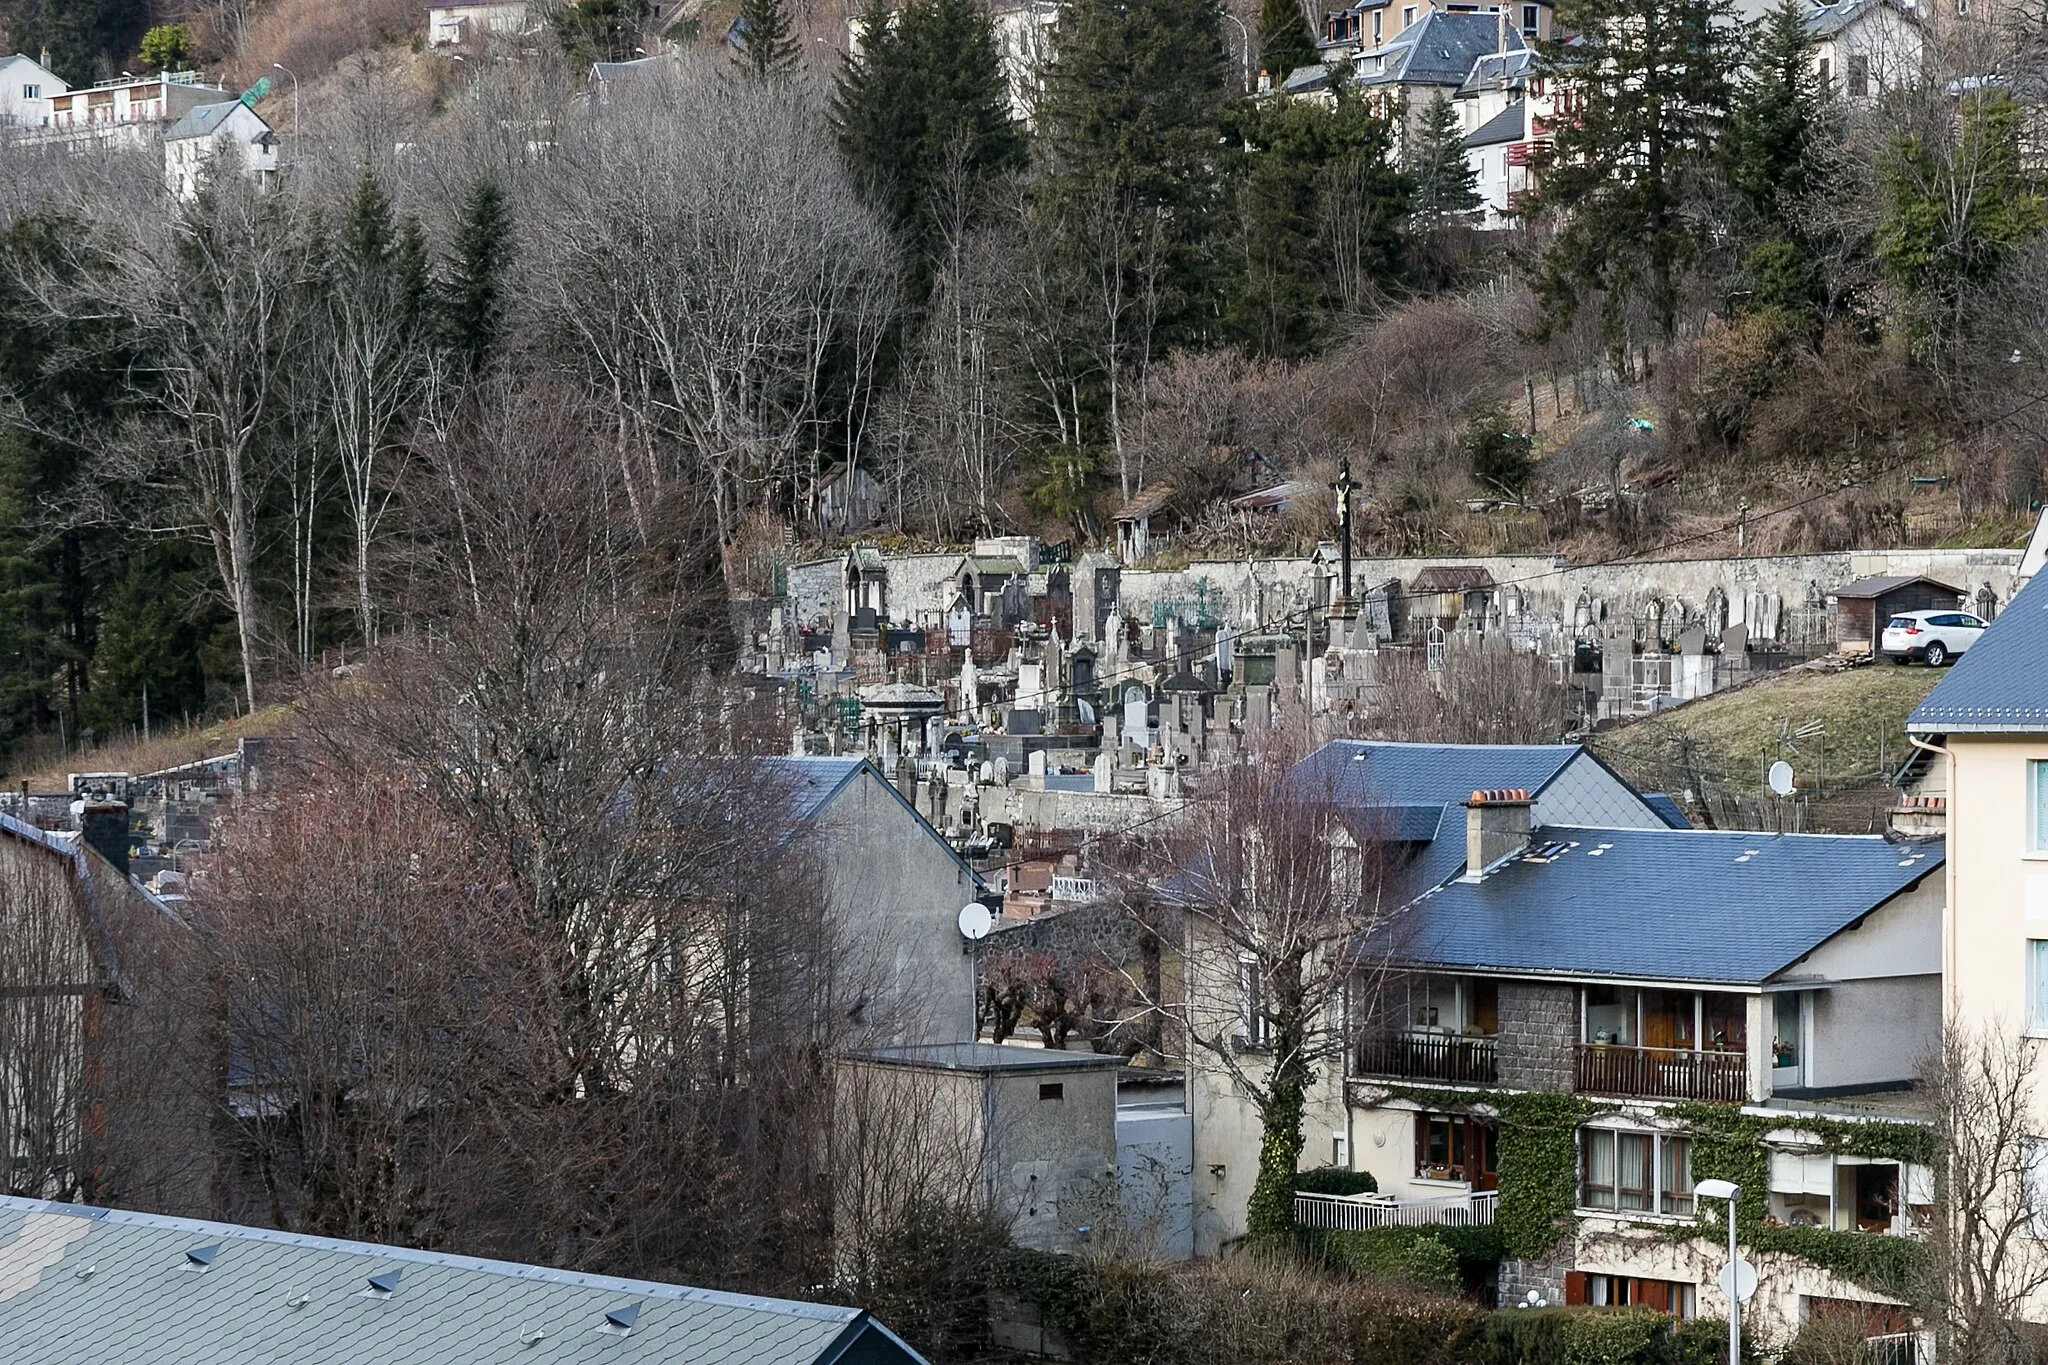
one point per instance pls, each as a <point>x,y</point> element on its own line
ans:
<point>1654,77</point>
<point>1285,41</point>
<point>1316,189</point>
<point>923,118</point>
<point>86,39</point>
<point>768,42</point>
<point>470,302</point>
<point>1774,157</point>
<point>602,30</point>
<point>1446,185</point>
<point>1497,451</point>
<point>167,47</point>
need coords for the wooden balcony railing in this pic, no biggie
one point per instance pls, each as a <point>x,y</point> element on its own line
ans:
<point>1660,1073</point>
<point>1428,1057</point>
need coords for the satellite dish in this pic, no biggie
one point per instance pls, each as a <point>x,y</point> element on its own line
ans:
<point>1781,778</point>
<point>975,920</point>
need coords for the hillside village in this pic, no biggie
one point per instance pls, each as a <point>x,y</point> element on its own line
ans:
<point>992,680</point>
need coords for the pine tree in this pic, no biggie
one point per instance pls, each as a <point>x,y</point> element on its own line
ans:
<point>470,303</point>
<point>1446,185</point>
<point>1654,75</point>
<point>1285,41</point>
<point>923,118</point>
<point>601,30</point>
<point>1774,159</point>
<point>768,44</point>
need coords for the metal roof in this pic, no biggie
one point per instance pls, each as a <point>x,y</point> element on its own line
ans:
<point>85,1286</point>
<point>202,121</point>
<point>987,1057</point>
<point>1877,585</point>
<point>1657,905</point>
<point>1378,774</point>
<point>1998,684</point>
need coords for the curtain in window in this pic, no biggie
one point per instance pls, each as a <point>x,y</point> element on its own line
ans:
<point>1599,1184</point>
<point>2037,806</point>
<point>1632,1173</point>
<point>1674,1176</point>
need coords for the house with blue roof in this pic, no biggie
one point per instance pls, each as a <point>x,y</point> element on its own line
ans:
<point>893,891</point>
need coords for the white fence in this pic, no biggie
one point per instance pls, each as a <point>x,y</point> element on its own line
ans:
<point>1356,1212</point>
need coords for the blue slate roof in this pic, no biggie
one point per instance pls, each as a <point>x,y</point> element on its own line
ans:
<point>2001,682</point>
<point>815,782</point>
<point>1667,809</point>
<point>1657,905</point>
<point>1363,774</point>
<point>1437,49</point>
<point>86,1286</point>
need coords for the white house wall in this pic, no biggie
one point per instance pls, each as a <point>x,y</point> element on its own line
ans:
<point>1872,1032</point>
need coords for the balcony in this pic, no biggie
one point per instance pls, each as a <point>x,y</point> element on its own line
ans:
<point>1661,1073</point>
<point>1357,1212</point>
<point>1428,1057</point>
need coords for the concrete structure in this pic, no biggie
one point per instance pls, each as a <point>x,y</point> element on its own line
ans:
<point>27,89</point>
<point>128,111</point>
<point>464,24</point>
<point>80,1284</point>
<point>213,139</point>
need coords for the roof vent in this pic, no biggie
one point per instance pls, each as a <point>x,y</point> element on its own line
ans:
<point>533,1336</point>
<point>87,1273</point>
<point>298,1300</point>
<point>620,1321</point>
<point>383,1286</point>
<point>199,1258</point>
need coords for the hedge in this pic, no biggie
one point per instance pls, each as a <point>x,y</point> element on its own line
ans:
<point>1335,1180</point>
<point>1446,1258</point>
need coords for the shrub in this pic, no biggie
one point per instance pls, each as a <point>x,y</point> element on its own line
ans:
<point>1336,1180</point>
<point>1497,453</point>
<point>1442,1258</point>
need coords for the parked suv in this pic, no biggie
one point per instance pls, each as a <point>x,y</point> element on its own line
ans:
<point>1936,636</point>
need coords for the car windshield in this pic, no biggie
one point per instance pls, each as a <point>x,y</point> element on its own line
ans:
<point>1899,622</point>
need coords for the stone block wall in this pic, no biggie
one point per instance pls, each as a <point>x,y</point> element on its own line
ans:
<point>1538,1025</point>
<point>1544,1274</point>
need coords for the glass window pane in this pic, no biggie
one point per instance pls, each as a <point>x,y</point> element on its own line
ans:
<point>1610,1015</point>
<point>1599,1183</point>
<point>1674,1176</point>
<point>1727,1022</point>
<point>2037,967</point>
<point>2037,806</point>
<point>1632,1171</point>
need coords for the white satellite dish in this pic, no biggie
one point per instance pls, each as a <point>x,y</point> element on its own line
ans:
<point>975,920</point>
<point>1781,778</point>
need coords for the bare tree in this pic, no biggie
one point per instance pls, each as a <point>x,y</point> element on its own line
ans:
<point>1985,1266</point>
<point>1483,694</point>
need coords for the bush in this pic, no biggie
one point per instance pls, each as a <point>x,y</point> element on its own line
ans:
<point>1602,1336</point>
<point>1497,453</point>
<point>1336,1180</point>
<point>1448,1259</point>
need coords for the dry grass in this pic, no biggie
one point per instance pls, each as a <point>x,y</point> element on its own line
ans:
<point>311,37</point>
<point>44,767</point>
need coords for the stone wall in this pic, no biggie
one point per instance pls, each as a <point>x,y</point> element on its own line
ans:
<point>1538,1025</point>
<point>1544,1274</point>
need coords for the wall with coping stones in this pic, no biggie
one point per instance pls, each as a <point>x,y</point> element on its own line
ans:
<point>1538,1024</point>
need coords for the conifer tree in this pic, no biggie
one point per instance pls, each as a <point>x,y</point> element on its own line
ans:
<point>470,303</point>
<point>1285,41</point>
<point>1446,185</point>
<point>601,30</point>
<point>923,118</point>
<point>768,43</point>
<point>1774,156</point>
<point>1654,78</point>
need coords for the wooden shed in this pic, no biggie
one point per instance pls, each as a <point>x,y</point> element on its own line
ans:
<point>1862,608</point>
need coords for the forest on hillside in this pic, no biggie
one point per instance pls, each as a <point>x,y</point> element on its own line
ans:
<point>235,432</point>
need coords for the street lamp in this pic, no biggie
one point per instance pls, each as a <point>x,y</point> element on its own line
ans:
<point>1247,48</point>
<point>1731,1278</point>
<point>280,66</point>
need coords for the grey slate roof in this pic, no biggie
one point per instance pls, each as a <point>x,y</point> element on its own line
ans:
<point>1825,21</point>
<point>2001,682</point>
<point>1509,125</point>
<point>1498,66</point>
<point>83,1286</point>
<point>815,782</point>
<point>1437,49</point>
<point>987,1057</point>
<point>1657,905</point>
<point>1668,809</point>
<point>1377,774</point>
<point>1877,585</point>
<point>202,121</point>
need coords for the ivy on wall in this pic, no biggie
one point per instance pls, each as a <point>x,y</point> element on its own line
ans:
<point>1538,1165</point>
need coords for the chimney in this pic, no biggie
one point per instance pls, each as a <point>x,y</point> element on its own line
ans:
<point>1496,825</point>
<point>105,824</point>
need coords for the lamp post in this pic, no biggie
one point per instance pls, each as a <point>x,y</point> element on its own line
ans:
<point>295,108</point>
<point>1247,33</point>
<point>1728,1190</point>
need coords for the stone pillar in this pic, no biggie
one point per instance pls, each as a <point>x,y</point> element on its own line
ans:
<point>1539,1025</point>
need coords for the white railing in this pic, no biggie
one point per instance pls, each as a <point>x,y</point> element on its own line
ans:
<point>1073,888</point>
<point>1357,1212</point>
<point>1893,1348</point>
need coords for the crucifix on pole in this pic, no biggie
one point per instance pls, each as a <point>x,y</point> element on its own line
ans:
<point>1344,485</point>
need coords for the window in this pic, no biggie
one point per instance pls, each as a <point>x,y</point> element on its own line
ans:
<point>31,92</point>
<point>1785,1033</point>
<point>1635,1172</point>
<point>2037,986</point>
<point>1251,1003</point>
<point>1825,74</point>
<point>1621,1291</point>
<point>1377,15</point>
<point>1408,16</point>
<point>2037,806</point>
<point>1611,1015</point>
<point>1455,1147</point>
<point>1052,1090</point>
<point>1529,14</point>
<point>1859,75</point>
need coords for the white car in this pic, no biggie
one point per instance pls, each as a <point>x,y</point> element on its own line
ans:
<point>1936,636</point>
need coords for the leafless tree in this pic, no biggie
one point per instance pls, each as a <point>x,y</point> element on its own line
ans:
<point>48,985</point>
<point>1985,1265</point>
<point>1483,694</point>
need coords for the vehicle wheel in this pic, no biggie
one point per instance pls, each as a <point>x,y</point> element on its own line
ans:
<point>1937,654</point>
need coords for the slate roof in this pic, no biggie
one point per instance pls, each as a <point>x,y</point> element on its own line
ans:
<point>2001,682</point>
<point>1509,125</point>
<point>202,121</point>
<point>85,1286</point>
<point>1657,905</point>
<point>1007,565</point>
<point>814,782</point>
<point>1437,49</point>
<point>1453,578</point>
<point>987,1057</point>
<point>1302,79</point>
<point>1877,585</point>
<point>1825,21</point>
<point>1359,773</point>
<point>1498,66</point>
<point>1667,810</point>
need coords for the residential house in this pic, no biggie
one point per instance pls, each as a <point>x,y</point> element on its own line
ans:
<point>1408,798</point>
<point>462,25</point>
<point>27,88</point>
<point>1365,26</point>
<point>1506,110</point>
<point>212,138</point>
<point>1430,57</point>
<point>1862,607</point>
<point>128,111</point>
<point>893,890</point>
<point>1861,48</point>
<point>1676,984</point>
<point>103,1284</point>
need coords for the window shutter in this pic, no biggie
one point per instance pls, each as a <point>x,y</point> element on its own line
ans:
<point>1574,1287</point>
<point>1654,1293</point>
